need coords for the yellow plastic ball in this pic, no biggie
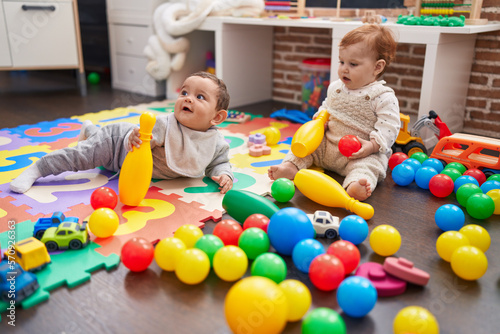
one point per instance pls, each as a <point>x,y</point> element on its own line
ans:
<point>448,241</point>
<point>469,263</point>
<point>189,234</point>
<point>385,240</point>
<point>477,235</point>
<point>192,266</point>
<point>273,135</point>
<point>416,320</point>
<point>495,195</point>
<point>298,298</point>
<point>103,222</point>
<point>256,304</point>
<point>168,251</point>
<point>230,263</point>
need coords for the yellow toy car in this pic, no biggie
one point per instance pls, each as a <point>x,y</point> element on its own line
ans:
<point>30,253</point>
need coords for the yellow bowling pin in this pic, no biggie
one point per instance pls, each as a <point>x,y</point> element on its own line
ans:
<point>324,190</point>
<point>308,137</point>
<point>137,169</point>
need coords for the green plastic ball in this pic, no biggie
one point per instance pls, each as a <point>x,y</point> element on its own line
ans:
<point>480,206</point>
<point>494,177</point>
<point>269,265</point>
<point>254,241</point>
<point>283,190</point>
<point>323,320</point>
<point>93,78</point>
<point>465,191</point>
<point>451,172</point>
<point>209,244</point>
<point>420,156</point>
<point>457,165</point>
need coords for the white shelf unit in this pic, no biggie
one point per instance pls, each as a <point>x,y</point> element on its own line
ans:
<point>130,24</point>
<point>243,59</point>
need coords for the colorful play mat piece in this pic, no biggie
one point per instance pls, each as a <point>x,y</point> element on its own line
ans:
<point>168,203</point>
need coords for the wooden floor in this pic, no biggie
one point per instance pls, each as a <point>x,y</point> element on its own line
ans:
<point>28,97</point>
<point>156,301</point>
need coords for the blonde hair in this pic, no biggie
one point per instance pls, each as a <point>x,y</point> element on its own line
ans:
<point>380,39</point>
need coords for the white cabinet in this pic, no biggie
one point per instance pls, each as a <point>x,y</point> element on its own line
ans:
<point>41,35</point>
<point>130,25</point>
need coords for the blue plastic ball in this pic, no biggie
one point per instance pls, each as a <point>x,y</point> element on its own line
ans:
<point>403,174</point>
<point>464,179</point>
<point>356,296</point>
<point>287,227</point>
<point>434,163</point>
<point>305,251</point>
<point>423,176</point>
<point>414,163</point>
<point>353,228</point>
<point>490,185</point>
<point>449,217</point>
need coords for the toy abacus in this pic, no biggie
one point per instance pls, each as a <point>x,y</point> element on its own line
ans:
<point>447,7</point>
<point>276,7</point>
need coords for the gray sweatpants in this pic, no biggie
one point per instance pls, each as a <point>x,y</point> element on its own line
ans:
<point>103,147</point>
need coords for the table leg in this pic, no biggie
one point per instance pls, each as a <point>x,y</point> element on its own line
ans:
<point>82,82</point>
<point>445,81</point>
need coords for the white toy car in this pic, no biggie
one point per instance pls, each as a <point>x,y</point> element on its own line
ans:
<point>325,224</point>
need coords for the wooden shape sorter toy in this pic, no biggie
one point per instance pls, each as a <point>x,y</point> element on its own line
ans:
<point>168,204</point>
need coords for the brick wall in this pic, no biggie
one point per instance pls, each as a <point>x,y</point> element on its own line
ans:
<point>404,75</point>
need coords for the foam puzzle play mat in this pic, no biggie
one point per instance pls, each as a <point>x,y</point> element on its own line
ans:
<point>167,205</point>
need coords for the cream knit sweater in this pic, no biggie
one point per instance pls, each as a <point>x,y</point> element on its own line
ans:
<point>371,112</point>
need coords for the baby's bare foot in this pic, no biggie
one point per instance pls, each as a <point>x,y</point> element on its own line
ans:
<point>285,170</point>
<point>82,135</point>
<point>360,190</point>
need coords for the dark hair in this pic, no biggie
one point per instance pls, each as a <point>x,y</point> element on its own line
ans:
<point>223,95</point>
<point>380,39</point>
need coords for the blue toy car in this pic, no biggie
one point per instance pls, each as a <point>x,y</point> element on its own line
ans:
<point>43,224</point>
<point>15,283</point>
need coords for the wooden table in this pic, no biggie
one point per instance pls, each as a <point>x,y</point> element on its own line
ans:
<point>155,301</point>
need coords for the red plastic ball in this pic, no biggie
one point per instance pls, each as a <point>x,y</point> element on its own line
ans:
<point>228,231</point>
<point>396,159</point>
<point>441,185</point>
<point>348,145</point>
<point>477,174</point>
<point>326,272</point>
<point>103,197</point>
<point>347,253</point>
<point>137,254</point>
<point>256,220</point>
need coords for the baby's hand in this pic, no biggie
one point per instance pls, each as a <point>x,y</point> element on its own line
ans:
<point>224,182</point>
<point>326,124</point>
<point>134,140</point>
<point>367,147</point>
